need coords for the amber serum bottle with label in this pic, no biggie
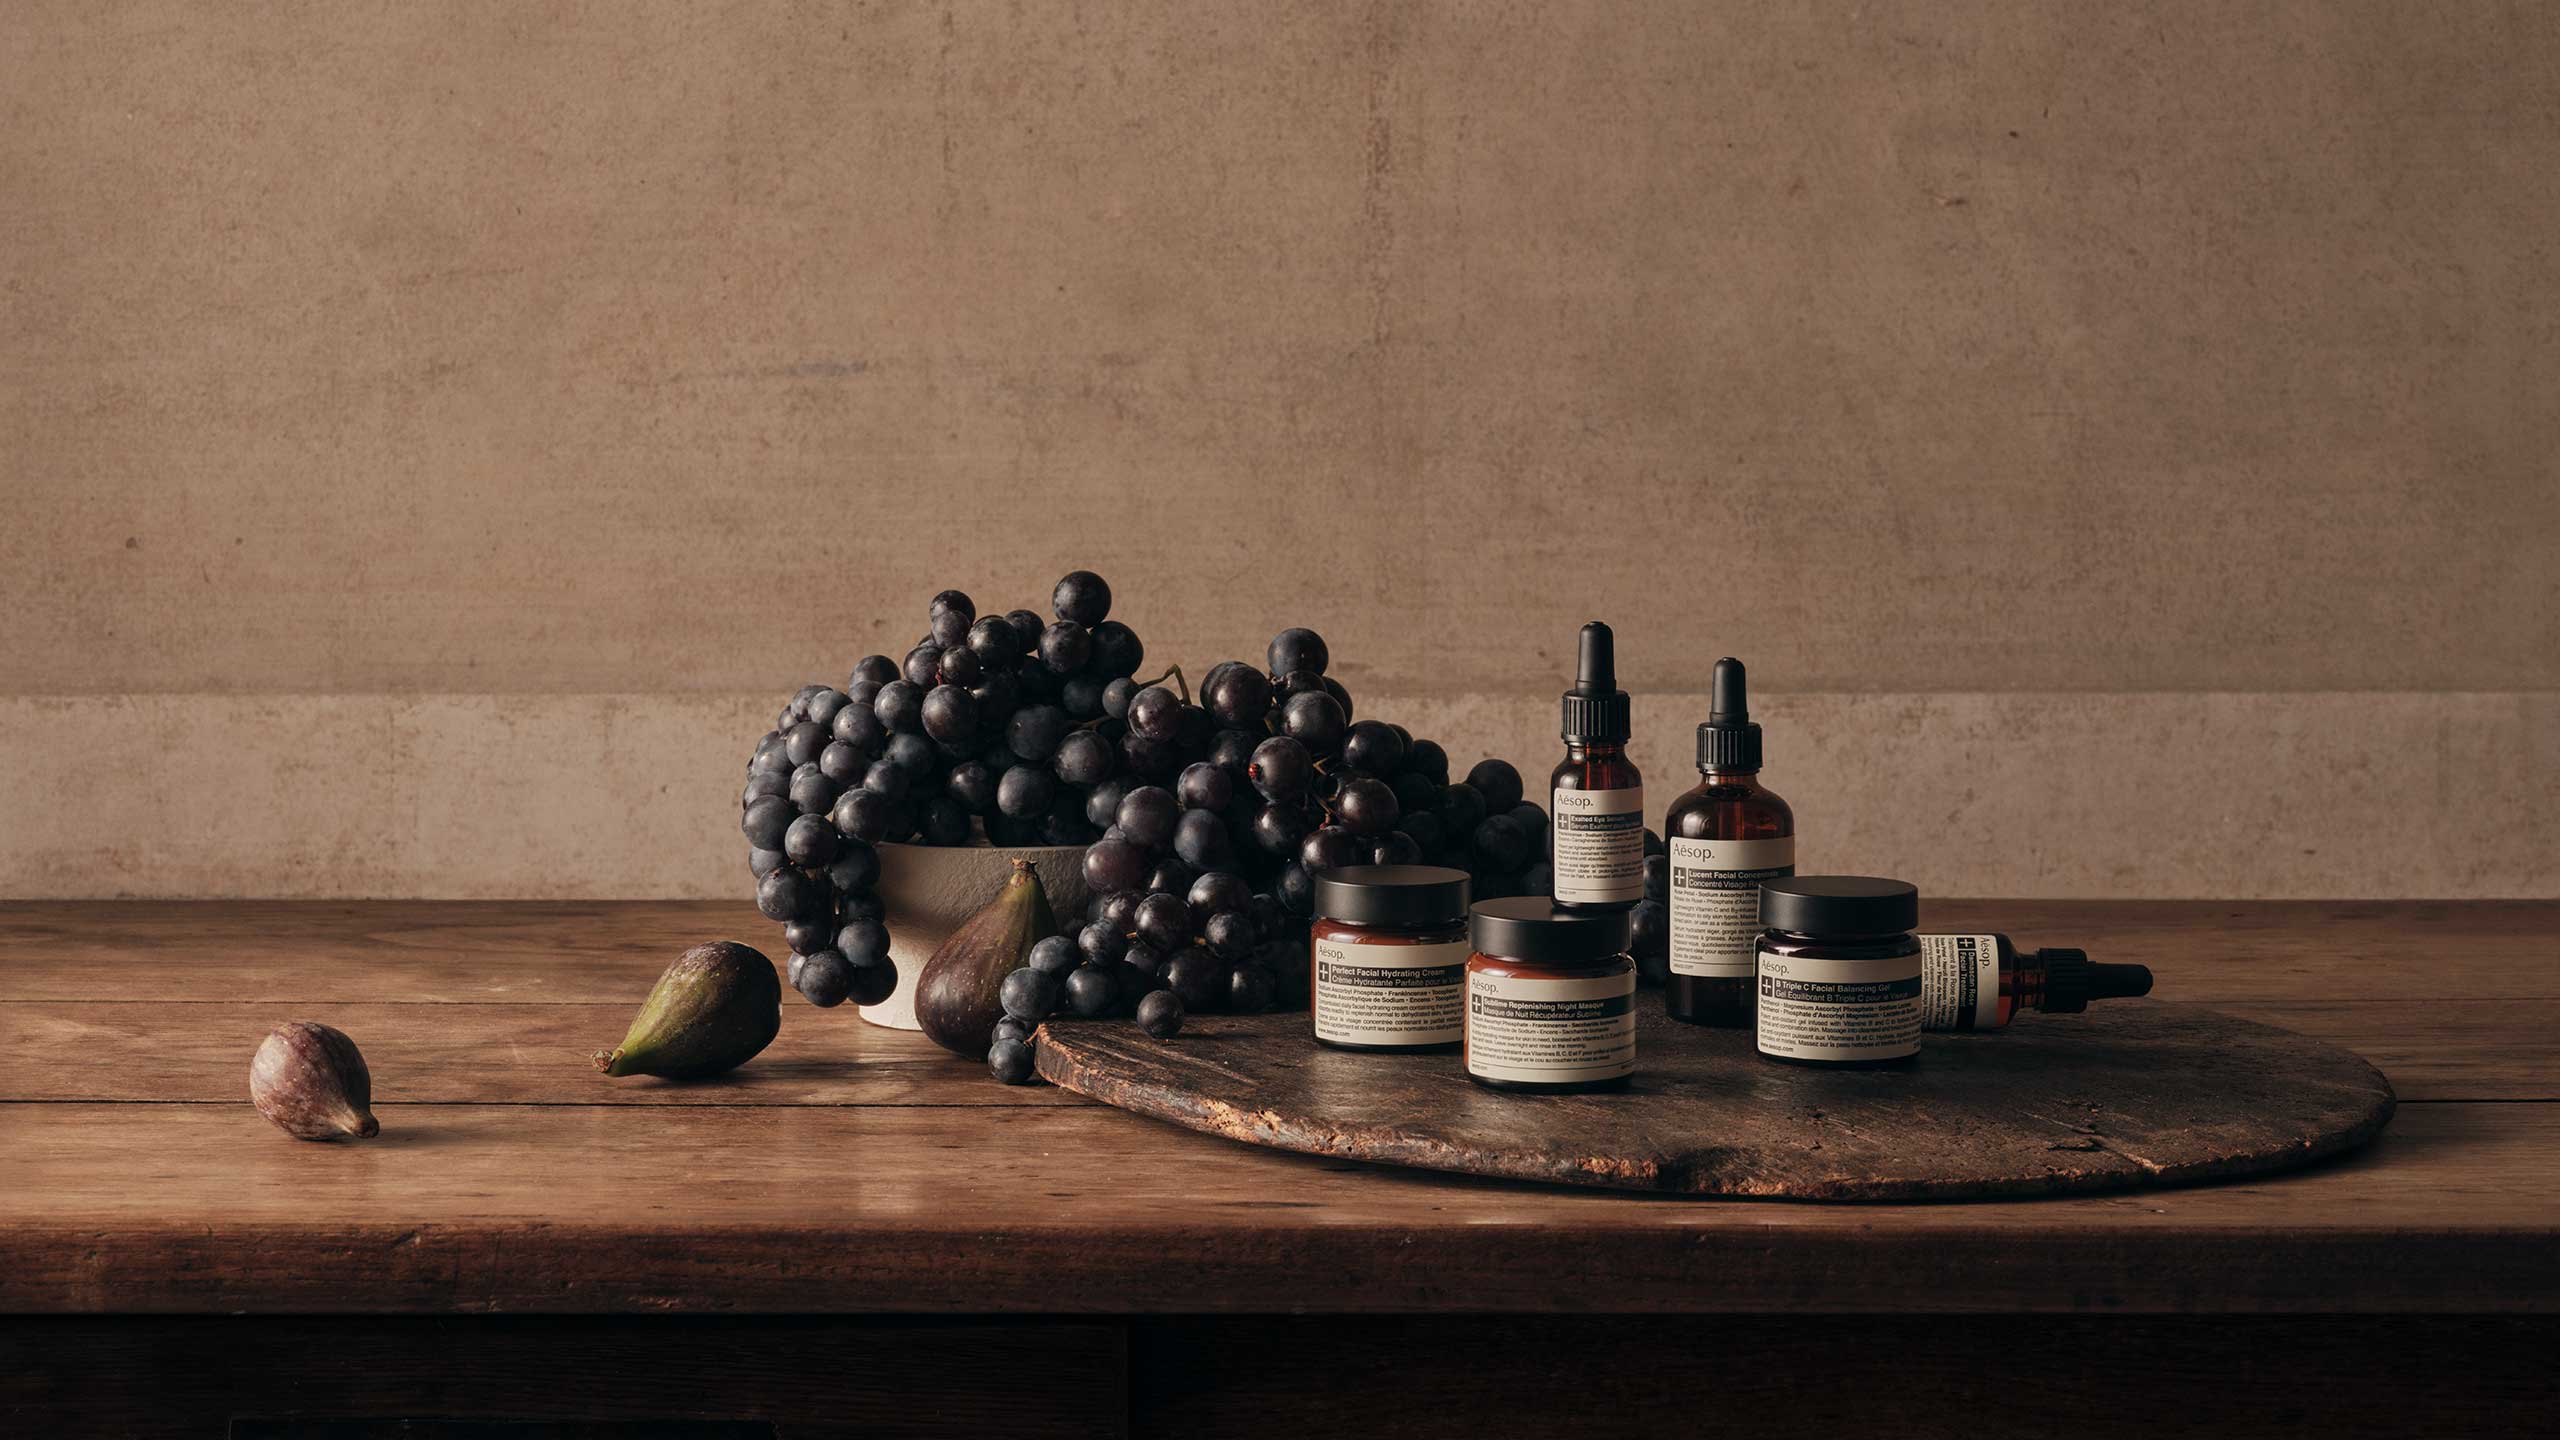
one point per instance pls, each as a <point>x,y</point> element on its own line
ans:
<point>1726,835</point>
<point>1596,838</point>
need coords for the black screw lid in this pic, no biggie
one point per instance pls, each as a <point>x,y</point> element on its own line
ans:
<point>1729,740</point>
<point>1595,708</point>
<point>1409,895</point>
<point>1839,905</point>
<point>1529,927</point>
<point>2071,981</point>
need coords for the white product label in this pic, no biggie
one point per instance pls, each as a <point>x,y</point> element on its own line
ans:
<point>1389,994</point>
<point>1959,982</point>
<point>1551,1032</point>
<point>1839,1009</point>
<point>1715,901</point>
<point>1599,845</point>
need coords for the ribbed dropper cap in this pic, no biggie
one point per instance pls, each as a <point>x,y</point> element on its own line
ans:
<point>2072,980</point>
<point>1729,740</point>
<point>1595,708</point>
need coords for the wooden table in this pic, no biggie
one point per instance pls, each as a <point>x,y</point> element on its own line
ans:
<point>859,1235</point>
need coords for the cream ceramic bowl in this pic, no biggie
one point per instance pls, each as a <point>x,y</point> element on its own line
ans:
<point>927,890</point>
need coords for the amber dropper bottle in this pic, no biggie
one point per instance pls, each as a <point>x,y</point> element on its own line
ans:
<point>1596,840</point>
<point>1981,982</point>
<point>1726,835</point>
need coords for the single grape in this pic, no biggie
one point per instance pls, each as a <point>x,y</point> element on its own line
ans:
<point>811,791</point>
<point>1341,697</point>
<point>808,937</point>
<point>1054,955</point>
<point>1296,890</point>
<point>922,665</point>
<point>1250,989</point>
<point>1148,815</point>
<point>1240,696</point>
<point>1500,845</point>
<point>811,840</point>
<point>1231,936</point>
<point>859,727</point>
<point>1117,695</point>
<point>1082,597</point>
<point>1649,929</point>
<point>1091,991</point>
<point>1164,921</point>
<point>1081,697</point>
<point>1160,1014</point>
<point>1142,957</point>
<point>1281,768</point>
<point>950,713</point>
<point>771,756</point>
<point>791,894</point>
<point>1009,1028</point>
<point>856,905</point>
<point>1198,977</point>
<point>1155,712</point>
<point>959,667</point>
<point>825,980</point>
<point>843,764</point>
<point>1331,847</point>
<point>1150,758</point>
<point>824,706</point>
<point>1036,732</point>
<point>952,612</point>
<point>1120,908</point>
<point>1010,1062</point>
<point>1200,838</point>
<point>1499,783</point>
<point>856,867</point>
<point>996,692</point>
<point>1117,651</point>
<point>992,640</point>
<point>1297,649</point>
<point>1026,792</point>
<point>1172,876</point>
<point>972,786</point>
<point>762,862</point>
<point>1395,848</point>
<point>1653,843</point>
<point>1065,647</point>
<point>865,814</point>
<point>860,694</point>
<point>804,742</point>
<point>873,981</point>
<point>1029,996</point>
<point>1102,807</point>
<point>1218,893</point>
<point>888,780</point>
<point>1232,751</point>
<point>1657,877</point>
<point>1270,917</point>
<point>1461,809</point>
<point>1205,787</point>
<point>1098,943</point>
<point>1428,759</point>
<point>873,670</point>
<point>766,819</point>
<point>1114,865</point>
<point>1426,830</point>
<point>1084,758</point>
<point>1531,819</point>
<point>791,969</point>
<point>1373,748</point>
<point>1278,829</point>
<point>900,706</point>
<point>863,941</point>
<point>1315,721</point>
<point>941,821</point>
<point>1365,806</point>
<point>1026,628</point>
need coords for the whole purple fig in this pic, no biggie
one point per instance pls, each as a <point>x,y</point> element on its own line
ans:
<point>312,1082</point>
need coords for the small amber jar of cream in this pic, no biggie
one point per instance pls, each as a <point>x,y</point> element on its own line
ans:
<point>1551,998</point>
<point>1389,969</point>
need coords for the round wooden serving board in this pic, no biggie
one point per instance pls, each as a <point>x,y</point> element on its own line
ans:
<point>2131,1095</point>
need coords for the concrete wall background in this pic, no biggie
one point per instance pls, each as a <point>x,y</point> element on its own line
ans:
<point>2125,441</point>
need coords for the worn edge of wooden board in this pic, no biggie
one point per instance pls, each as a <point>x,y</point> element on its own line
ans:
<point>1093,1060</point>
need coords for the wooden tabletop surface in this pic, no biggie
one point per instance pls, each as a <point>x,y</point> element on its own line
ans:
<point>857,1169</point>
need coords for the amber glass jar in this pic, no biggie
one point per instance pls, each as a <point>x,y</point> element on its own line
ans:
<point>1389,968</point>
<point>1551,998</point>
<point>1839,971</point>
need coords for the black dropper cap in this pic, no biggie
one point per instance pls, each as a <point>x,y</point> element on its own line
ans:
<point>1595,708</point>
<point>2071,981</point>
<point>1729,740</point>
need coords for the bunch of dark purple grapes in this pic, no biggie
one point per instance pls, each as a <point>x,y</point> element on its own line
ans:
<point>1202,887</point>
<point>991,728</point>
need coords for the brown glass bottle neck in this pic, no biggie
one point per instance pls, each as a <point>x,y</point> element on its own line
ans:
<point>1579,750</point>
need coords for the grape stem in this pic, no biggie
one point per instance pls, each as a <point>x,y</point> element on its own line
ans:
<point>1180,683</point>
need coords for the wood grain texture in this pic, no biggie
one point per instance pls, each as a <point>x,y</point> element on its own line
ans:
<point>1087,1210</point>
<point>2128,1096</point>
<point>836,1379</point>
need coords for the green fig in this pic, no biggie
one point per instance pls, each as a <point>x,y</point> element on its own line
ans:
<point>715,1009</point>
<point>958,997</point>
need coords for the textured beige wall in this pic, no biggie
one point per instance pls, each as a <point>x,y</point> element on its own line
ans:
<point>2104,415</point>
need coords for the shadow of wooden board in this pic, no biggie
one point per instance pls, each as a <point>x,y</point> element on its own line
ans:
<point>2130,1096</point>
